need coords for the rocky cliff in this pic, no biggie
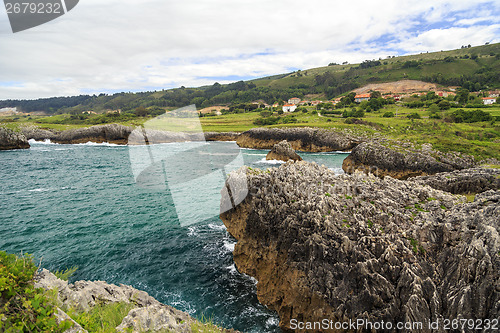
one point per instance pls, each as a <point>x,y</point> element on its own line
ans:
<point>302,139</point>
<point>283,151</point>
<point>147,315</point>
<point>403,160</point>
<point>349,247</point>
<point>12,140</point>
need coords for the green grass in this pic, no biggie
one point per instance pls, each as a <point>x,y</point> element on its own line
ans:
<point>102,318</point>
<point>66,273</point>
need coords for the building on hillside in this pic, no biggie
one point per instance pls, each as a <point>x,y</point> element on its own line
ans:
<point>289,107</point>
<point>336,100</point>
<point>275,105</point>
<point>294,100</point>
<point>114,111</point>
<point>361,97</point>
<point>304,102</point>
<point>89,112</point>
<point>494,93</point>
<point>314,103</point>
<point>489,100</point>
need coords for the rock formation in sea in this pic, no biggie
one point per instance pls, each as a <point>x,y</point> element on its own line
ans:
<point>403,160</point>
<point>348,247</point>
<point>283,151</point>
<point>12,140</point>
<point>120,134</point>
<point>147,314</point>
<point>221,136</point>
<point>303,139</point>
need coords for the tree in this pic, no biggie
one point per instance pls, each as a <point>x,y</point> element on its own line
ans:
<point>141,111</point>
<point>375,94</point>
<point>462,96</point>
<point>444,105</point>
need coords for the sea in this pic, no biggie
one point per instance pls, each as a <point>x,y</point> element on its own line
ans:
<point>86,205</point>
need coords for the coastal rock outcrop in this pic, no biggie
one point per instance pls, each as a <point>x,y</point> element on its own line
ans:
<point>111,133</point>
<point>358,247</point>
<point>147,315</point>
<point>402,160</point>
<point>302,139</point>
<point>465,181</point>
<point>38,134</point>
<point>283,151</point>
<point>221,136</point>
<point>12,140</point>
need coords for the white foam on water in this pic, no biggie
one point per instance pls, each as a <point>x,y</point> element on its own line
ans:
<point>44,142</point>
<point>273,162</point>
<point>232,269</point>
<point>217,226</point>
<point>229,246</point>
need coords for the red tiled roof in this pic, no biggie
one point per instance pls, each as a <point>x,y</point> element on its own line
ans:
<point>362,96</point>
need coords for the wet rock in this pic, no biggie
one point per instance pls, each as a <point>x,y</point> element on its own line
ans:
<point>283,151</point>
<point>303,139</point>
<point>12,140</point>
<point>402,160</point>
<point>357,246</point>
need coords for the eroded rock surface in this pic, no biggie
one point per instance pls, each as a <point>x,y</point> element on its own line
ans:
<point>402,160</point>
<point>474,180</point>
<point>361,247</point>
<point>12,140</point>
<point>283,151</point>
<point>148,315</point>
<point>303,139</point>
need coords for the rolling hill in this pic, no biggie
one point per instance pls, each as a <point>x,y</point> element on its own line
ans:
<point>474,68</point>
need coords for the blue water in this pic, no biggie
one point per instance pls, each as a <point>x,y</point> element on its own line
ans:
<point>80,205</point>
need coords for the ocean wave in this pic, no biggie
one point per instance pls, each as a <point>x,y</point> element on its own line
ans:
<point>274,162</point>
<point>229,246</point>
<point>44,142</point>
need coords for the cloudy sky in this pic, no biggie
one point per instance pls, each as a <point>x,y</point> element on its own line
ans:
<point>124,45</point>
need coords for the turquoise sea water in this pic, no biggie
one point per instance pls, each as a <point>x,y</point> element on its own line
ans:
<point>80,205</point>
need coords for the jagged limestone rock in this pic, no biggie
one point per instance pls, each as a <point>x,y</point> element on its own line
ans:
<point>303,139</point>
<point>12,140</point>
<point>401,160</point>
<point>283,151</point>
<point>361,247</point>
<point>474,180</point>
<point>148,315</point>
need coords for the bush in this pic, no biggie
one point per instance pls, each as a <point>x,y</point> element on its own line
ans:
<point>461,116</point>
<point>353,113</point>
<point>414,115</point>
<point>388,114</point>
<point>24,308</point>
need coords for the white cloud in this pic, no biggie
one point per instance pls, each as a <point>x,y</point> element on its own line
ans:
<point>130,45</point>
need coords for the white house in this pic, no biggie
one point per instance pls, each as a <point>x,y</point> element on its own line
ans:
<point>489,100</point>
<point>289,107</point>
<point>294,100</point>
<point>361,97</point>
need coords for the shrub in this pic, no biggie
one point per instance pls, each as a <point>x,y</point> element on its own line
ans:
<point>388,114</point>
<point>414,115</point>
<point>24,308</point>
<point>461,116</point>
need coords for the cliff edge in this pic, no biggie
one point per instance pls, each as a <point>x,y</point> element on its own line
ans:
<point>12,140</point>
<point>351,247</point>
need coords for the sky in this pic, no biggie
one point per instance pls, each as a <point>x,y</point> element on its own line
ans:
<point>124,45</point>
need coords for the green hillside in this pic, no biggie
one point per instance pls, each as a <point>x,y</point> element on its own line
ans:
<point>474,68</point>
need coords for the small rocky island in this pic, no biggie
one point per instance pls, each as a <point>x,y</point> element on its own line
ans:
<point>348,247</point>
<point>283,151</point>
